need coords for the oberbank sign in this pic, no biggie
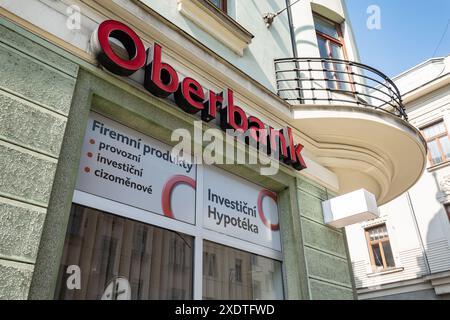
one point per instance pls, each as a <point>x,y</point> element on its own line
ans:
<point>162,80</point>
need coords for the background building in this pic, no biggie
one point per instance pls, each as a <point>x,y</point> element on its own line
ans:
<point>405,254</point>
<point>298,69</point>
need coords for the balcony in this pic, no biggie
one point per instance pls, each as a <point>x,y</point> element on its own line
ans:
<point>322,81</point>
<point>357,122</point>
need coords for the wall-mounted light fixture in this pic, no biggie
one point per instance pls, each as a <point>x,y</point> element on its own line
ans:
<point>269,17</point>
<point>354,207</point>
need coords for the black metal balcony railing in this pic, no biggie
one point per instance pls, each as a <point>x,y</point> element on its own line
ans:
<point>330,81</point>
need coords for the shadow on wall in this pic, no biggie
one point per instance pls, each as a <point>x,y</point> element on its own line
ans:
<point>435,258</point>
<point>300,40</point>
<point>437,252</point>
<point>250,63</point>
<point>283,22</point>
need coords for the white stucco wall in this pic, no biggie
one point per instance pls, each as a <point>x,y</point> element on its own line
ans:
<point>267,45</point>
<point>426,198</point>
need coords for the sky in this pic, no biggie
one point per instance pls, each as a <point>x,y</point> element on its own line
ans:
<point>409,34</point>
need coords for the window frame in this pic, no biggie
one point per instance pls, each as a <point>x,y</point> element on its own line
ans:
<point>104,243</point>
<point>196,230</point>
<point>223,6</point>
<point>380,242</point>
<point>246,278</point>
<point>337,41</point>
<point>437,139</point>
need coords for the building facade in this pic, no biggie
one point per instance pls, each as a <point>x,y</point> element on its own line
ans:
<point>94,95</point>
<point>405,254</point>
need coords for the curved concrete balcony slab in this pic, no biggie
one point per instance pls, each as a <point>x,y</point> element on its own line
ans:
<point>365,148</point>
<point>356,116</point>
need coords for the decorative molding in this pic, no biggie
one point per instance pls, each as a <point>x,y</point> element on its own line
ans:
<point>438,166</point>
<point>440,283</point>
<point>374,222</point>
<point>205,15</point>
<point>426,88</point>
<point>395,288</point>
<point>384,272</point>
<point>445,185</point>
<point>443,195</point>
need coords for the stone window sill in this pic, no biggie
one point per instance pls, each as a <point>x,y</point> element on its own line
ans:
<point>438,166</point>
<point>218,24</point>
<point>384,272</point>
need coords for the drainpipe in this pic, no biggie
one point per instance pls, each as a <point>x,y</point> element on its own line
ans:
<point>291,28</point>
<point>416,225</point>
<point>294,49</point>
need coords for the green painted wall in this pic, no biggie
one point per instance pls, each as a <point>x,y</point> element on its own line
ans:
<point>44,104</point>
<point>36,87</point>
<point>329,273</point>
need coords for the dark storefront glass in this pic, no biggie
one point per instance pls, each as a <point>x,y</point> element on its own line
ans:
<point>123,259</point>
<point>231,274</point>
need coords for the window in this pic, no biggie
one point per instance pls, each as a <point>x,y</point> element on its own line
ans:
<point>209,265</point>
<point>124,243</point>
<point>239,278</point>
<point>331,45</point>
<point>238,270</point>
<point>120,258</point>
<point>379,248</point>
<point>221,4</point>
<point>438,143</point>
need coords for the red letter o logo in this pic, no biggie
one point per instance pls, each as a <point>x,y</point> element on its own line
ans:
<point>129,39</point>
<point>168,189</point>
<point>267,223</point>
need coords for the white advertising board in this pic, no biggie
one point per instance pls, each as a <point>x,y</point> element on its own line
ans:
<point>240,209</point>
<point>123,165</point>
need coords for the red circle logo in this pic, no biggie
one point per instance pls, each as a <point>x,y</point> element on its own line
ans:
<point>263,194</point>
<point>168,189</point>
<point>129,39</point>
